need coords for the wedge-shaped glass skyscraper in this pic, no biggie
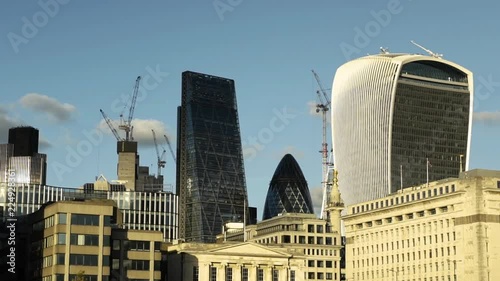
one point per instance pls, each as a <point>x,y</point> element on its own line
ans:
<point>392,112</point>
<point>288,191</point>
<point>210,173</point>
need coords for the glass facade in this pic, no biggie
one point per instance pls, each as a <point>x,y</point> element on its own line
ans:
<point>141,210</point>
<point>211,180</point>
<point>288,191</point>
<point>430,121</point>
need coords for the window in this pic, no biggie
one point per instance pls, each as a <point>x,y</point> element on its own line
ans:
<point>244,274</point>
<point>89,260</point>
<point>196,272</point>
<point>77,219</point>
<point>292,275</point>
<point>59,258</point>
<point>61,238</point>
<point>260,274</point>
<point>229,274</point>
<point>276,275</point>
<point>116,244</point>
<point>213,273</point>
<point>84,240</point>
<point>62,218</point>
<point>319,229</point>
<point>310,228</point>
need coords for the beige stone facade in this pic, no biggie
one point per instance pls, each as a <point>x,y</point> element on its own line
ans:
<point>72,238</point>
<point>446,231</point>
<point>290,247</point>
<point>81,239</point>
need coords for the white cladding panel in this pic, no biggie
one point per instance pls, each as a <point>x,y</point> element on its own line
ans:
<point>361,117</point>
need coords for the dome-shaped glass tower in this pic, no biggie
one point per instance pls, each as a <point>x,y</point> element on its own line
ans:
<point>288,191</point>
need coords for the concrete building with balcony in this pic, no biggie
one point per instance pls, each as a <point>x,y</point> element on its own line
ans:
<point>446,230</point>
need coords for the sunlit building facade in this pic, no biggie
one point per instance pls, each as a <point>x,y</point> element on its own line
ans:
<point>392,112</point>
<point>211,179</point>
<point>449,230</point>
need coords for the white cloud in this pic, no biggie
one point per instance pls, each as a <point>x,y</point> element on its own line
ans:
<point>6,122</point>
<point>53,108</point>
<point>43,144</point>
<point>290,149</point>
<point>142,131</point>
<point>488,118</point>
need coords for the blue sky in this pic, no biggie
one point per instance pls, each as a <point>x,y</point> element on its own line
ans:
<point>63,61</point>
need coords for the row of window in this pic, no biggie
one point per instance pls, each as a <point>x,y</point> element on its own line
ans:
<point>321,263</point>
<point>403,199</point>
<point>443,270</point>
<point>400,218</point>
<point>407,257</point>
<point>260,273</point>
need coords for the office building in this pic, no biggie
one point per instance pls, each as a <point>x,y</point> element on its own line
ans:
<point>448,230</point>
<point>135,255</point>
<point>25,140</point>
<point>393,112</point>
<point>82,240</point>
<point>211,179</point>
<point>288,191</point>
<point>20,156</point>
<point>156,211</point>
<point>71,239</point>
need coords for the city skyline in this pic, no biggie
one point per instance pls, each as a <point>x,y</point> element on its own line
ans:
<point>57,77</point>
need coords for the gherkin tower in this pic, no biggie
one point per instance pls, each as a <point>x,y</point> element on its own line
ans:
<point>288,191</point>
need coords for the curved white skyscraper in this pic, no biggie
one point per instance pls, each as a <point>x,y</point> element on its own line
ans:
<point>392,112</point>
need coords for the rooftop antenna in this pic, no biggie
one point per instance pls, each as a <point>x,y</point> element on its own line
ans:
<point>384,50</point>
<point>431,53</point>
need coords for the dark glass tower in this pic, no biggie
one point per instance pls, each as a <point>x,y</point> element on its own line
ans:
<point>210,173</point>
<point>288,191</point>
<point>25,140</point>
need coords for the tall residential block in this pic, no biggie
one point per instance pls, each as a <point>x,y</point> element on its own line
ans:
<point>211,179</point>
<point>398,119</point>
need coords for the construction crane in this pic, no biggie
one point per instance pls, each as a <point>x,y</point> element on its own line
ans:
<point>161,163</point>
<point>170,147</point>
<point>110,125</point>
<point>126,125</point>
<point>431,53</point>
<point>324,107</point>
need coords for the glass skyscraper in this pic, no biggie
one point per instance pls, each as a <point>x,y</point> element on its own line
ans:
<point>399,120</point>
<point>210,172</point>
<point>288,191</point>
